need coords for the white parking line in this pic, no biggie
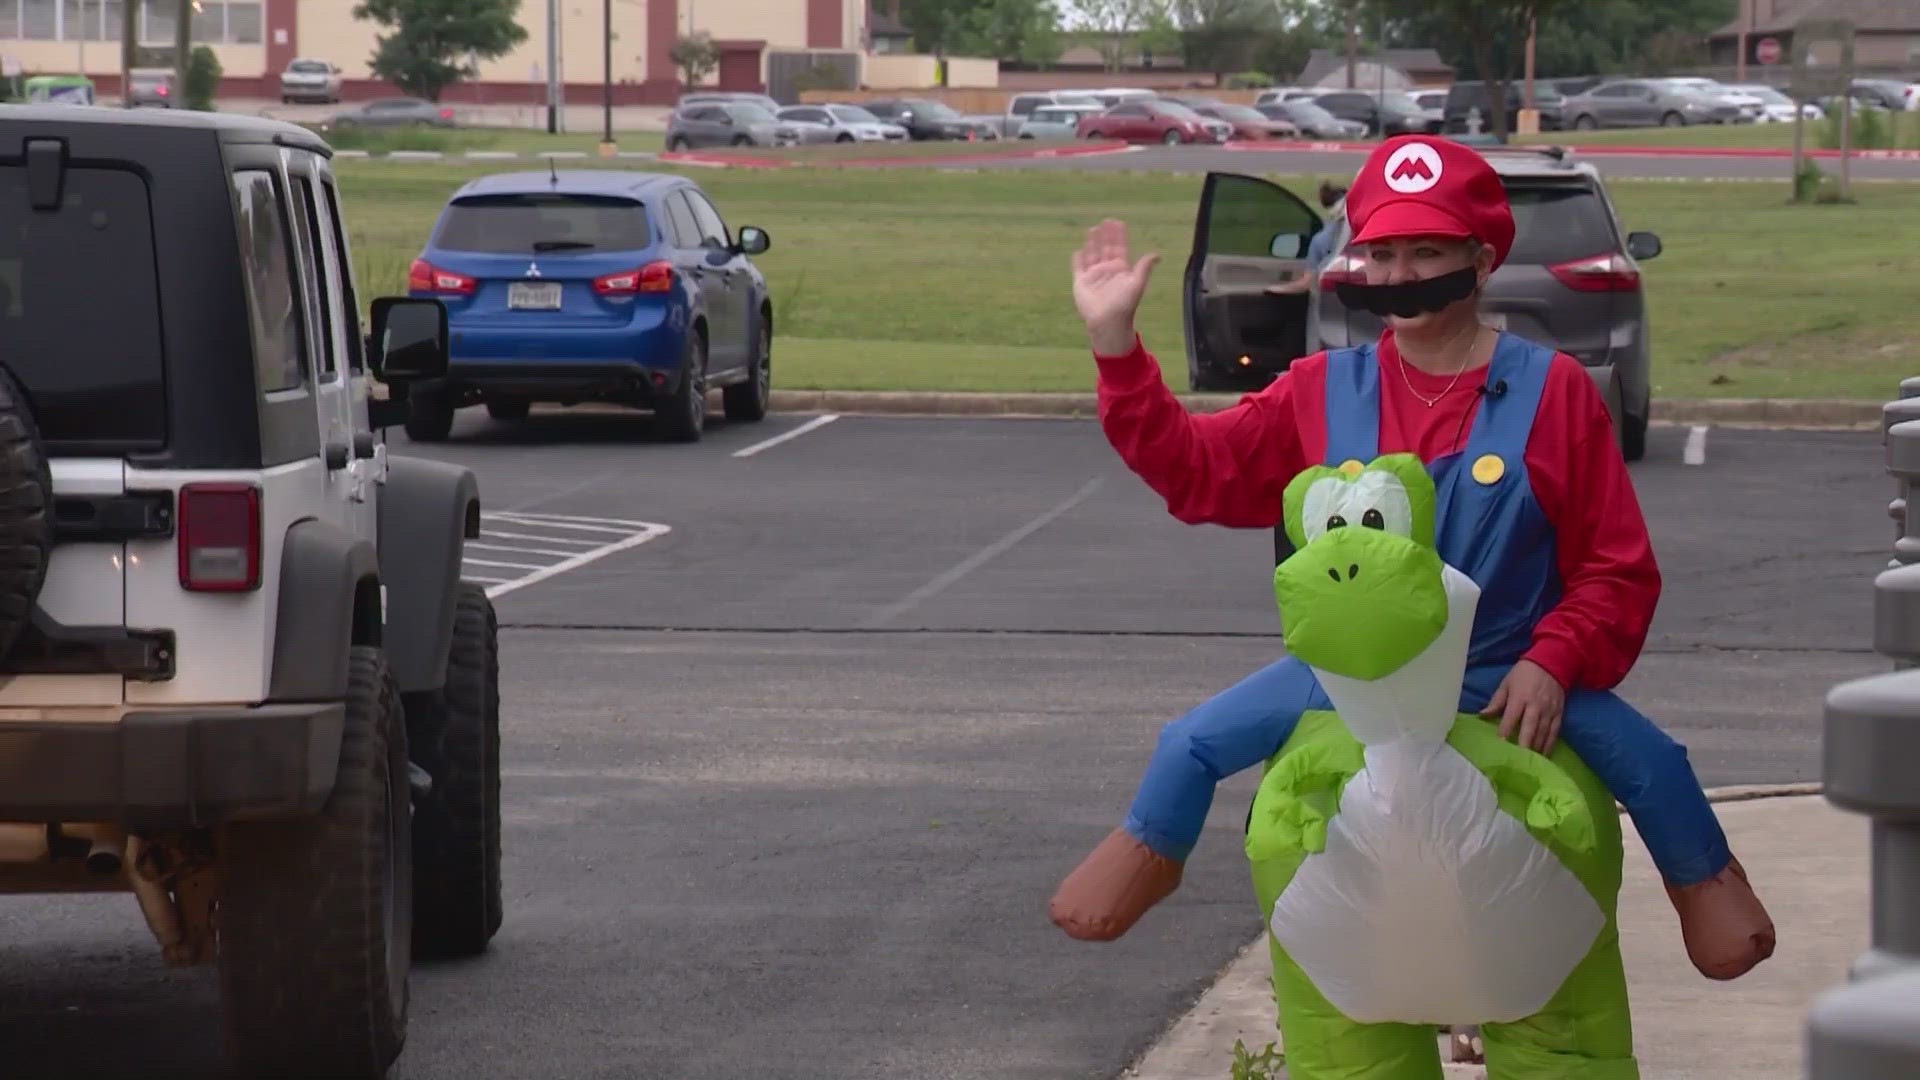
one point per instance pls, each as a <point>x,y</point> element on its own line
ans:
<point>816,422</point>
<point>611,536</point>
<point>1696,451</point>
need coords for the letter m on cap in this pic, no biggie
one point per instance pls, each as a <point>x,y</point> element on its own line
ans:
<point>1412,168</point>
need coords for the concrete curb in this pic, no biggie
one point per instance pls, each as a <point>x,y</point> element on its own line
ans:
<point>1815,413</point>
<point>1171,1055</point>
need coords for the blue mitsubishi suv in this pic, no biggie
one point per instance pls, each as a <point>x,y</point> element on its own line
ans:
<point>596,285</point>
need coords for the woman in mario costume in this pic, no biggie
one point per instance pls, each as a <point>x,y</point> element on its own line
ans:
<point>1563,557</point>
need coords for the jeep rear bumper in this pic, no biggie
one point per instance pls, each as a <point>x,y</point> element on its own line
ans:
<point>172,769</point>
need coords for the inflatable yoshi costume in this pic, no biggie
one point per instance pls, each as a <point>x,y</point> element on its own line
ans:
<point>1415,868</point>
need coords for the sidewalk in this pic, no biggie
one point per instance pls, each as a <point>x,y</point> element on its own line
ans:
<point>1809,863</point>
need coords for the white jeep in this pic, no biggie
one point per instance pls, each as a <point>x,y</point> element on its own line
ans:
<point>240,676</point>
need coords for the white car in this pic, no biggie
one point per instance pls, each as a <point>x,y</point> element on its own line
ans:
<point>1752,109</point>
<point>842,124</point>
<point>307,79</point>
<point>1776,107</point>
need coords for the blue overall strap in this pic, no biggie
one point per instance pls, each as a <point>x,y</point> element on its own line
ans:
<point>1353,405</point>
<point>1504,423</point>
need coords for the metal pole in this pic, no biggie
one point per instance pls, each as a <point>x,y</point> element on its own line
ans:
<point>129,41</point>
<point>553,66</point>
<point>182,45</point>
<point>606,73</point>
<point>1746,24</point>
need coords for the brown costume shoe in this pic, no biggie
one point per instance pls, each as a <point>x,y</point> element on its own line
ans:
<point>1726,928</point>
<point>1111,888</point>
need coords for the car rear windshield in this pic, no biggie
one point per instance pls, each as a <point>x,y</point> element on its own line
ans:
<point>518,224</point>
<point>80,307</point>
<point>1556,223</point>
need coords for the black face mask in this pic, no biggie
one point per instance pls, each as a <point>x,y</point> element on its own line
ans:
<point>1410,298</point>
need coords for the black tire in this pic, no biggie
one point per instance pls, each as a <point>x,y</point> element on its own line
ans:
<point>1172,138</point>
<point>429,414</point>
<point>685,412</point>
<point>843,138</point>
<point>509,410</point>
<point>26,518</point>
<point>676,144</point>
<point>1585,123</point>
<point>1673,119</point>
<point>742,140</point>
<point>315,915</point>
<point>455,733</point>
<point>1633,437</point>
<point>750,400</point>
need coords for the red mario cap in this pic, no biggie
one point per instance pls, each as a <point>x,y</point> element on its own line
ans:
<point>1416,185</point>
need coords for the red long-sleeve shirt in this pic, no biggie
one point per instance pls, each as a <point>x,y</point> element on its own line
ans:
<point>1232,467</point>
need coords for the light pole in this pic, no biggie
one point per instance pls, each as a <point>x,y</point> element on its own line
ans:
<point>553,66</point>
<point>606,76</point>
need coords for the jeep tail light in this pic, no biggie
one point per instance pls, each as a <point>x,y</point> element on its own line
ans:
<point>655,277</point>
<point>219,535</point>
<point>1601,273</point>
<point>423,276</point>
<point>1343,270</point>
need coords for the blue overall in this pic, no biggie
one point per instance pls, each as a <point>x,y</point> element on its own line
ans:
<point>1497,535</point>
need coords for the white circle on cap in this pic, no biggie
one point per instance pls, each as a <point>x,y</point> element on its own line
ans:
<point>1412,169</point>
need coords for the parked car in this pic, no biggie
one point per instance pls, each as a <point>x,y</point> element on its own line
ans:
<point>149,88</point>
<point>728,123</point>
<point>1248,122</point>
<point>1777,107</point>
<point>1280,95</point>
<point>1467,97</point>
<point>1384,114</point>
<point>1056,121</point>
<point>394,112</point>
<point>1432,101</point>
<point>1154,120</point>
<point>1751,108</point>
<point>928,120</point>
<point>1312,120</point>
<point>840,124</point>
<point>1021,107</point>
<point>594,285</point>
<point>1571,281</point>
<point>1115,95</point>
<point>1630,103</point>
<point>307,79</point>
<point>1881,93</point>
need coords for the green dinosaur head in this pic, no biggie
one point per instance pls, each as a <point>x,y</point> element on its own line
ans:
<point>1362,593</point>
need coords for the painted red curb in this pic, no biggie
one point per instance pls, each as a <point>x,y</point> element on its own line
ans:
<point>1598,150</point>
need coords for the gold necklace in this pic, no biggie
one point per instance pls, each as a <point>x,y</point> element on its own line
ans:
<point>1431,402</point>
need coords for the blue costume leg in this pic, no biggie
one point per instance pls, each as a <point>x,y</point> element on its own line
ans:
<point>1643,767</point>
<point>1237,729</point>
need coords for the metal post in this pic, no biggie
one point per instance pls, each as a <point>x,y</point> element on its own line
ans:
<point>182,49</point>
<point>129,41</point>
<point>1892,415</point>
<point>553,66</point>
<point>606,75</point>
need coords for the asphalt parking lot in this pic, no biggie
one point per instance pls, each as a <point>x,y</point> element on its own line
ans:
<point>789,781</point>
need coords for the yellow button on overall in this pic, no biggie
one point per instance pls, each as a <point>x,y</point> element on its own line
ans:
<point>1488,468</point>
<point>1352,468</point>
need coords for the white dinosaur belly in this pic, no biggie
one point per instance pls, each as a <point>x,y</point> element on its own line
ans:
<point>1429,903</point>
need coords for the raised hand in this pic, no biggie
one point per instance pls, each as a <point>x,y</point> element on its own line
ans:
<point>1108,285</point>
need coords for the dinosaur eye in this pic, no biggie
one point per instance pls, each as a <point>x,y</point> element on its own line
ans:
<point>1372,519</point>
<point>1336,522</point>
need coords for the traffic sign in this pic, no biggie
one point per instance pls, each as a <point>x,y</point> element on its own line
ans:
<point>1767,50</point>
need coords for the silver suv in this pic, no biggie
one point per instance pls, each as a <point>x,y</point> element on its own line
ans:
<point>728,123</point>
<point>1571,282</point>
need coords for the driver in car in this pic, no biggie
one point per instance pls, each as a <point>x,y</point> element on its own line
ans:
<point>1536,505</point>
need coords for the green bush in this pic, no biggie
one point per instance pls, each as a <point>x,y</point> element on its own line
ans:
<point>203,78</point>
<point>1249,80</point>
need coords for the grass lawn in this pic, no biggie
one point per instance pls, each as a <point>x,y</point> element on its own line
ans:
<point>918,279</point>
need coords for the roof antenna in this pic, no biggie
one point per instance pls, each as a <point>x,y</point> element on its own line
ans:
<point>553,175</point>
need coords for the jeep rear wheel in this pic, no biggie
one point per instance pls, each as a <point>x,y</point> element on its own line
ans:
<point>456,831</point>
<point>316,914</point>
<point>26,519</point>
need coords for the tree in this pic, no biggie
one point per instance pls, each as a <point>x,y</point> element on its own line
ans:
<point>1113,23</point>
<point>695,56</point>
<point>1490,34</point>
<point>1026,31</point>
<point>433,44</point>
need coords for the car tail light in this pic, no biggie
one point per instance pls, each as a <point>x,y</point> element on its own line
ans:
<point>423,276</point>
<point>219,534</point>
<point>655,277</point>
<point>1342,270</point>
<point>446,114</point>
<point>1601,273</point>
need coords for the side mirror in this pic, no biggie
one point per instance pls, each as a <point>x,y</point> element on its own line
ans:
<point>1643,245</point>
<point>753,240</point>
<point>1287,246</point>
<point>409,339</point>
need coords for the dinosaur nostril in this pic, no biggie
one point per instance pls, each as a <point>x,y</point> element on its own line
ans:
<point>1332,573</point>
<point>1353,571</point>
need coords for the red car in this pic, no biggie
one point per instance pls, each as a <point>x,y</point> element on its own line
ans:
<point>1153,120</point>
<point>1248,122</point>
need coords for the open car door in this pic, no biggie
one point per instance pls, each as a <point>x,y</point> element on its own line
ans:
<point>1251,236</point>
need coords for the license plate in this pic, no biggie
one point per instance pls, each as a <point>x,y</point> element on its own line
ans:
<point>534,295</point>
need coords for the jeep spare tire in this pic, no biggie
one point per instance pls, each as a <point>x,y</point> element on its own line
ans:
<point>26,512</point>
